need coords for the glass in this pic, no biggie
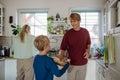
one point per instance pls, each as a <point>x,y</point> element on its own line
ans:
<point>37,21</point>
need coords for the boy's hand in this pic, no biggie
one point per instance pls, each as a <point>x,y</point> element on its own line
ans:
<point>61,61</point>
<point>68,60</point>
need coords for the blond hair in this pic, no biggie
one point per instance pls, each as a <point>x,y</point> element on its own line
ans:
<point>75,16</point>
<point>25,30</point>
<point>41,41</point>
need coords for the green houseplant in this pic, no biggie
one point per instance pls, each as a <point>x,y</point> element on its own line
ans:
<point>49,26</point>
<point>50,18</point>
<point>16,29</point>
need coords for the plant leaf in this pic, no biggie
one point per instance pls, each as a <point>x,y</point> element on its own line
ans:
<point>13,26</point>
<point>13,30</point>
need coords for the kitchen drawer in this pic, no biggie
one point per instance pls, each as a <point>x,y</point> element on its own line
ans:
<point>114,74</point>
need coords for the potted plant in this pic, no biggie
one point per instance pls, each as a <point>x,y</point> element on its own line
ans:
<point>49,26</point>
<point>65,19</point>
<point>16,29</point>
<point>50,18</point>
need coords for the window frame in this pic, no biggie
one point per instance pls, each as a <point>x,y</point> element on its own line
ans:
<point>99,28</point>
<point>28,10</point>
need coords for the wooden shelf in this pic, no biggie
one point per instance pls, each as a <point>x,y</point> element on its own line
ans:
<point>50,34</point>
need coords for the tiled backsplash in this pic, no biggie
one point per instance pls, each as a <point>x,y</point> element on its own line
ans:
<point>55,41</point>
<point>6,41</point>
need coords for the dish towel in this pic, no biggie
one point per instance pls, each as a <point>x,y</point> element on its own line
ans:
<point>111,49</point>
<point>106,42</point>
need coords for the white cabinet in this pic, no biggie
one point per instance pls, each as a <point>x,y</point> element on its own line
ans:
<point>2,72</point>
<point>105,18</point>
<point>113,74</point>
<point>10,69</point>
<point>111,16</point>
<point>101,72</point>
<point>1,20</point>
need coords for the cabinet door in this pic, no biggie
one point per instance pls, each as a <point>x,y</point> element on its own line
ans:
<point>113,74</point>
<point>98,71</point>
<point>101,72</point>
<point>108,77</point>
<point>10,69</point>
<point>2,72</point>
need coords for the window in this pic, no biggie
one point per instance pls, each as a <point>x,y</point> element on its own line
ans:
<point>91,21</point>
<point>36,18</point>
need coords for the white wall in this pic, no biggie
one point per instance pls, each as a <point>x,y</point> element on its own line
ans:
<point>60,6</point>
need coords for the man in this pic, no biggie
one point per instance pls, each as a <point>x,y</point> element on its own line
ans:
<point>77,43</point>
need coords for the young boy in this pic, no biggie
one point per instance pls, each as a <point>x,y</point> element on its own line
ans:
<point>44,66</point>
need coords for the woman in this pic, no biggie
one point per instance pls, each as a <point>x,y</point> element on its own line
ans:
<point>23,51</point>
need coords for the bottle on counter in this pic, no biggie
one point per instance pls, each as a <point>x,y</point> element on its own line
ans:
<point>6,52</point>
<point>1,51</point>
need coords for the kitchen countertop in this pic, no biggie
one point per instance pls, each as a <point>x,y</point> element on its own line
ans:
<point>2,59</point>
<point>101,62</point>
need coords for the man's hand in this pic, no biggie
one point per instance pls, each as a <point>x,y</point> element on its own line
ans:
<point>86,55</point>
<point>61,54</point>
